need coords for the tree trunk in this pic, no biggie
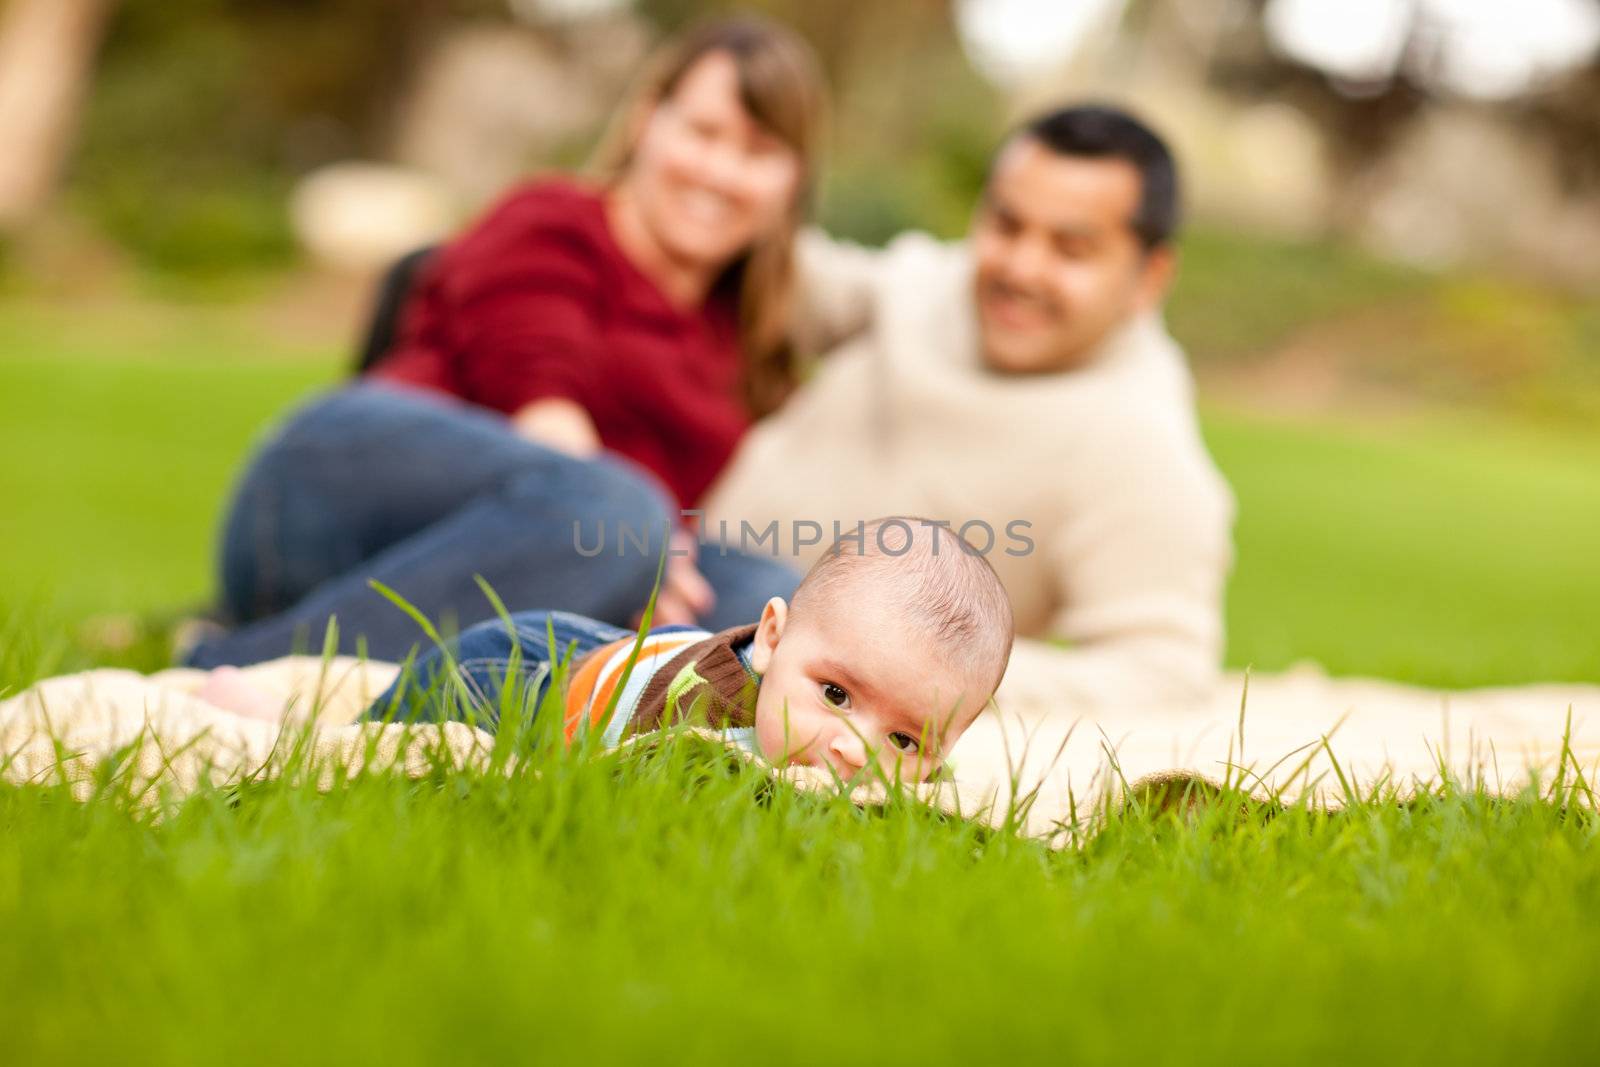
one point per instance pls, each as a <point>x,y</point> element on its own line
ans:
<point>47,50</point>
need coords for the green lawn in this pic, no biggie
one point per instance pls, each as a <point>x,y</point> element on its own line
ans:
<point>668,910</point>
<point>672,913</point>
<point>1446,551</point>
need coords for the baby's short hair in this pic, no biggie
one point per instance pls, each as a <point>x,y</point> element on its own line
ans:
<point>939,578</point>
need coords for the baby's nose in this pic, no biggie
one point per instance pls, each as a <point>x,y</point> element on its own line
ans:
<point>848,748</point>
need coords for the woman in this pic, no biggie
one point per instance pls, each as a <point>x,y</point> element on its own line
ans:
<point>574,369</point>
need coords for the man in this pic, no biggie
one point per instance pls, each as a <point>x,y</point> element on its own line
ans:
<point>1023,387</point>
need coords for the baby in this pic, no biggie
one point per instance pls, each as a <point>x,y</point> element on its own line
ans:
<point>891,647</point>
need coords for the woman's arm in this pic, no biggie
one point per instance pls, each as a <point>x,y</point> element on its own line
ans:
<point>558,423</point>
<point>564,425</point>
<point>525,320</point>
<point>528,319</point>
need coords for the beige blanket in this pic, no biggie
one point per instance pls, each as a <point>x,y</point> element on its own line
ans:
<point>1294,735</point>
<point>162,740</point>
<point>1301,735</point>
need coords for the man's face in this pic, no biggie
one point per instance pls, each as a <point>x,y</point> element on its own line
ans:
<point>1058,264</point>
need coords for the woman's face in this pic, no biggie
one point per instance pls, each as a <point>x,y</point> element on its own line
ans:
<point>708,179</point>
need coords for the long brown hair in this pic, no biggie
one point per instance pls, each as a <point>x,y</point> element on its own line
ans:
<point>781,87</point>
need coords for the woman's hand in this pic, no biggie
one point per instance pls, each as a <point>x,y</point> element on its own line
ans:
<point>558,423</point>
<point>685,594</point>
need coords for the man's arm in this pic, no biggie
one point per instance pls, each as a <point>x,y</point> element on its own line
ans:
<point>834,283</point>
<point>1140,573</point>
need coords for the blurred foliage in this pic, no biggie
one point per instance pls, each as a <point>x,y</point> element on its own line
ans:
<point>203,112</point>
<point>175,142</point>
<point>1244,296</point>
<point>1257,310</point>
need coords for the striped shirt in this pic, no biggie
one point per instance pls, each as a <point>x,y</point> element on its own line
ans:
<point>675,674</point>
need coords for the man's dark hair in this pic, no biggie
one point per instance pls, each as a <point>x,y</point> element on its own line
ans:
<point>1096,131</point>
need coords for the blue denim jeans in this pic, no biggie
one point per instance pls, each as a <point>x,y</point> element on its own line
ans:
<point>422,494</point>
<point>483,657</point>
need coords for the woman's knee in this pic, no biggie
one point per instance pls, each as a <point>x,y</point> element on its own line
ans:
<point>595,500</point>
<point>284,531</point>
<point>619,488</point>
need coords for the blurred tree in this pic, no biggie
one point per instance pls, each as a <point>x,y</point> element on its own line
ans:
<point>1362,120</point>
<point>47,50</point>
<point>1568,113</point>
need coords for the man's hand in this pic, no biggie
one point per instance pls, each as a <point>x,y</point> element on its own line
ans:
<point>685,594</point>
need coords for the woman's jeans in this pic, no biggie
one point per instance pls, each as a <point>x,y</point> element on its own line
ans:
<point>380,483</point>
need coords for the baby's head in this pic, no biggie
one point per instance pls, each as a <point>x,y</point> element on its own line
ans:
<point>892,646</point>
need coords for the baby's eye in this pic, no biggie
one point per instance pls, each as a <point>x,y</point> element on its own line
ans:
<point>835,694</point>
<point>904,742</point>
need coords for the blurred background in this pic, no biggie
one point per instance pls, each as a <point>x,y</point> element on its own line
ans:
<point>1407,190</point>
<point>1388,282</point>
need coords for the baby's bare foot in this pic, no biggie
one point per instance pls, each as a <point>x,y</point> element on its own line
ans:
<point>227,688</point>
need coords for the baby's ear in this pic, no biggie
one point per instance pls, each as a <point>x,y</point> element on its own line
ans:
<point>768,631</point>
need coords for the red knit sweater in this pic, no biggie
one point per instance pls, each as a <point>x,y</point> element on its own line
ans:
<point>536,300</point>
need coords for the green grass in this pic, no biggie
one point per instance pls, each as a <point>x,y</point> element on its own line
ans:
<point>1444,551</point>
<point>670,909</point>
<point>117,469</point>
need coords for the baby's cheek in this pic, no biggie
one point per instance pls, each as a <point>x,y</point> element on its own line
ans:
<point>786,733</point>
<point>774,727</point>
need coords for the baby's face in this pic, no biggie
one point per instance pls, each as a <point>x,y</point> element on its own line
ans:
<point>844,688</point>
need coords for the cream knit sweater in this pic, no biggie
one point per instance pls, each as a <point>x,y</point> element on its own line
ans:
<point>1129,519</point>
